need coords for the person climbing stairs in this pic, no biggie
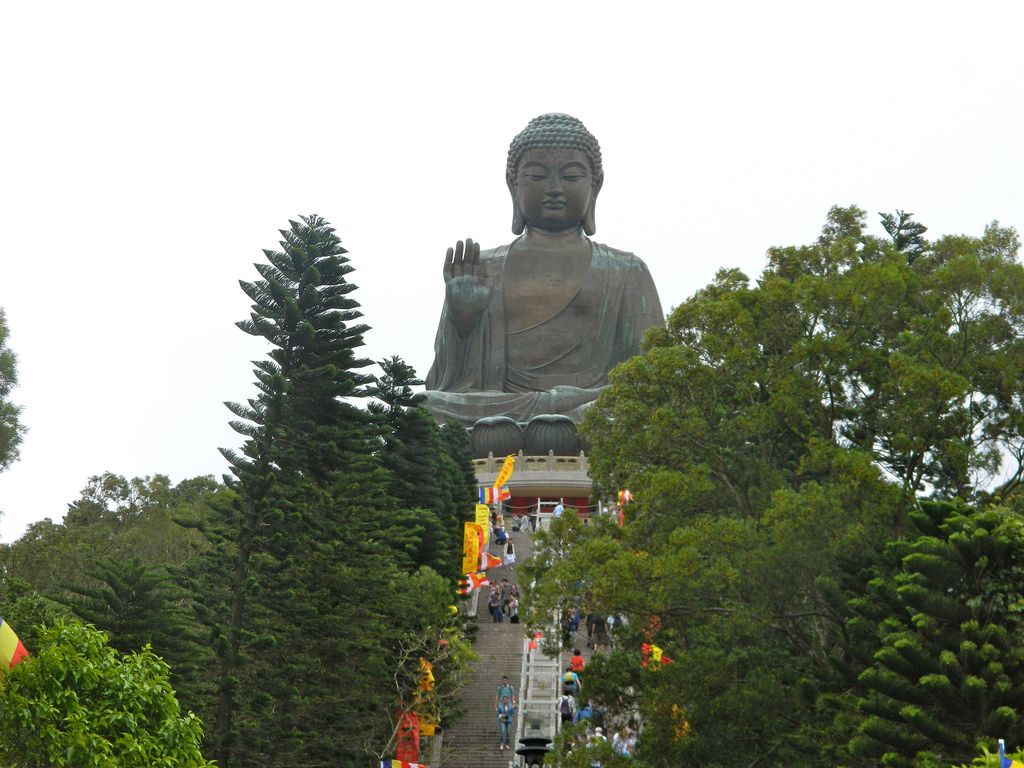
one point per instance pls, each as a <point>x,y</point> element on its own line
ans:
<point>472,742</point>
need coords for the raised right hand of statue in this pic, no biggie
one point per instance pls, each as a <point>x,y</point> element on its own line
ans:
<point>468,285</point>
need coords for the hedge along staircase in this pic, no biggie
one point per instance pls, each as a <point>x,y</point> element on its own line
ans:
<point>472,741</point>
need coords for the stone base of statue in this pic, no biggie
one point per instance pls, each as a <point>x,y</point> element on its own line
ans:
<point>551,463</point>
<point>547,434</point>
<point>495,436</point>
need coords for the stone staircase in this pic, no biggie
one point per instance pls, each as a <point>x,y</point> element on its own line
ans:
<point>473,741</point>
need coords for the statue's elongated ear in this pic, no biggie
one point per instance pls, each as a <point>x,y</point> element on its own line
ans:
<point>590,217</point>
<point>518,222</point>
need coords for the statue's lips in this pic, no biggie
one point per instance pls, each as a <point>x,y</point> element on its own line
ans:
<point>554,206</point>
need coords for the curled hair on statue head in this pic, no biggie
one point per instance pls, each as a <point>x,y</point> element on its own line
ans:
<point>555,130</point>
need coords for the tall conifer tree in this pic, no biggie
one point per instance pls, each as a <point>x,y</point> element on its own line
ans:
<point>428,468</point>
<point>948,672</point>
<point>303,551</point>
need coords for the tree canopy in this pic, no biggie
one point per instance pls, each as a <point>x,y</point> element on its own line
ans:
<point>778,436</point>
<point>334,539</point>
<point>11,429</point>
<point>949,667</point>
<point>315,562</point>
<point>77,702</point>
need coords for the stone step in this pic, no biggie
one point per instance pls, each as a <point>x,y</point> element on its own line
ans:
<point>473,741</point>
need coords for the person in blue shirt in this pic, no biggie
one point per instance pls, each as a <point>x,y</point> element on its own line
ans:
<point>505,688</point>
<point>584,713</point>
<point>506,711</point>
<point>571,683</point>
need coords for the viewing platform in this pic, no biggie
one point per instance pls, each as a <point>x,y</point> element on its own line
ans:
<point>542,478</point>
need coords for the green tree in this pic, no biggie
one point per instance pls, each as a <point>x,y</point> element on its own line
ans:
<point>136,604</point>
<point>278,542</point>
<point>136,517</point>
<point>113,517</point>
<point>77,702</point>
<point>907,235</point>
<point>11,429</point>
<point>140,604</point>
<point>410,445</point>
<point>427,465</point>
<point>311,562</point>
<point>25,608</point>
<point>428,627</point>
<point>456,446</point>
<point>43,557</point>
<point>118,540</point>
<point>776,435</point>
<point>948,672</point>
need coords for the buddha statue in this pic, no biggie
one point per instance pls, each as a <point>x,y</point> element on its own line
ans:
<point>530,330</point>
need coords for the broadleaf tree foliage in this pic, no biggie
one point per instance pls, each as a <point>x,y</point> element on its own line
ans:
<point>11,429</point>
<point>777,436</point>
<point>78,702</point>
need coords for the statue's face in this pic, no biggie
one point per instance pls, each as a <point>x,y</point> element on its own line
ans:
<point>554,188</point>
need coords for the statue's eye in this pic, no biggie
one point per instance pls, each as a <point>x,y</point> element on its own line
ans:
<point>536,176</point>
<point>572,176</point>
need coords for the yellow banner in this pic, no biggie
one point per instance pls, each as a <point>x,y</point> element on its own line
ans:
<point>483,519</point>
<point>506,471</point>
<point>472,540</point>
<point>428,726</point>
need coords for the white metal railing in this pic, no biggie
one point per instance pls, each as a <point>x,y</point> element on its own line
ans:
<point>538,687</point>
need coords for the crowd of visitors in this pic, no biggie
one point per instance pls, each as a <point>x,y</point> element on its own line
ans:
<point>571,706</point>
<point>504,601</point>
<point>574,709</point>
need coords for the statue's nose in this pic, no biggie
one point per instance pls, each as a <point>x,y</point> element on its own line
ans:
<point>555,190</point>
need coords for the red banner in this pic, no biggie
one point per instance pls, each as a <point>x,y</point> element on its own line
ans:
<point>407,741</point>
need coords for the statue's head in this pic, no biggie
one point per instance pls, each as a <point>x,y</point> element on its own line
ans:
<point>554,147</point>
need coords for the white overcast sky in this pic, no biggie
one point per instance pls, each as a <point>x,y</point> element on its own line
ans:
<point>148,152</point>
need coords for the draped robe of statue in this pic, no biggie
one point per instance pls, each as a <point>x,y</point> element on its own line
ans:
<point>557,365</point>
